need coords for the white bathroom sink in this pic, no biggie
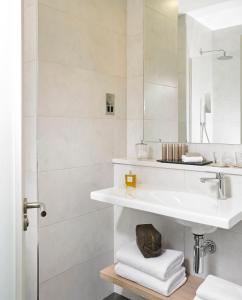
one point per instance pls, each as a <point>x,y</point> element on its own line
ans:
<point>189,209</point>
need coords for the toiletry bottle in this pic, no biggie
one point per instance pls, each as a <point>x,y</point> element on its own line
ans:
<point>170,152</point>
<point>175,152</point>
<point>164,152</point>
<point>130,180</point>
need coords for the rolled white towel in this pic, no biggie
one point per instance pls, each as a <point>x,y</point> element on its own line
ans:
<point>165,288</point>
<point>161,267</point>
<point>192,159</point>
<point>214,288</point>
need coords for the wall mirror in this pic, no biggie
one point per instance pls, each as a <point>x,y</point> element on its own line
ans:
<point>192,71</point>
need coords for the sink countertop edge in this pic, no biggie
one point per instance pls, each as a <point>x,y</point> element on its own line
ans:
<point>220,222</point>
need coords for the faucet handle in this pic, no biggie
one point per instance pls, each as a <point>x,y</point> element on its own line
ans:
<point>219,175</point>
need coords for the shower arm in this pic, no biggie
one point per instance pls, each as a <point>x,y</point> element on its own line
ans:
<point>212,51</point>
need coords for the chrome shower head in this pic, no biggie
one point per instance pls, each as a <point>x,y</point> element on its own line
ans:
<point>224,57</point>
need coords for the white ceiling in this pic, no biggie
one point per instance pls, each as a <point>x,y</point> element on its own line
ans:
<point>214,14</point>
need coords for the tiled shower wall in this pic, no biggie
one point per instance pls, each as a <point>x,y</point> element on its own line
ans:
<point>82,56</point>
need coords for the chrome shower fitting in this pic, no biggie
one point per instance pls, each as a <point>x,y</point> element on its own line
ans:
<point>224,56</point>
<point>201,248</point>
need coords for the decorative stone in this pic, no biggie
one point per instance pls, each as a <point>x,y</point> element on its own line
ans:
<point>148,240</point>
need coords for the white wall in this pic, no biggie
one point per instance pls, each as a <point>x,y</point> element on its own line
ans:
<point>10,147</point>
<point>82,56</point>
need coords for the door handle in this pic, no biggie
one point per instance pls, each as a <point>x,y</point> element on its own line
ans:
<point>32,205</point>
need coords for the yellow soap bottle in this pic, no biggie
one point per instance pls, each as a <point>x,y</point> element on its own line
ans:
<point>130,180</point>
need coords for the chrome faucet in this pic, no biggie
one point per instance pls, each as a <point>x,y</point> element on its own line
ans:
<point>220,182</point>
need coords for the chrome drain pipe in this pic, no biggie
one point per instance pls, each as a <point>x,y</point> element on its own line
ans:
<point>201,248</point>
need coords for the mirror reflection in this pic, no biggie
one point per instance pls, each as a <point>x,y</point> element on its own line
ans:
<point>192,82</point>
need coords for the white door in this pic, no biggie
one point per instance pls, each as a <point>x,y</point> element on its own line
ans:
<point>10,149</point>
<point>18,248</point>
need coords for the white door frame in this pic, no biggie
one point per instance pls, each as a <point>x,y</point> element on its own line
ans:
<point>11,149</point>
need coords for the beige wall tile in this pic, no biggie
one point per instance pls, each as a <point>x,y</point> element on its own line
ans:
<point>79,281</point>
<point>66,91</point>
<point>73,41</point>
<point>70,243</point>
<point>30,33</point>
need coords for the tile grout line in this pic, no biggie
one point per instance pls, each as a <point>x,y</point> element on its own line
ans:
<point>76,217</point>
<point>78,264</point>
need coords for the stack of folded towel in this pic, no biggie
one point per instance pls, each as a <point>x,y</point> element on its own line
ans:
<point>214,288</point>
<point>192,158</point>
<point>163,274</point>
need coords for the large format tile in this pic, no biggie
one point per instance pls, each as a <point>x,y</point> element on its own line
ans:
<point>81,282</point>
<point>30,261</point>
<point>66,193</point>
<point>135,20</point>
<point>72,41</point>
<point>29,144</point>
<point>66,91</point>
<point>29,88</point>
<point>108,14</point>
<point>30,34</point>
<point>134,135</point>
<point>69,243</point>
<point>135,98</point>
<point>67,143</point>
<point>135,55</point>
<point>168,8</point>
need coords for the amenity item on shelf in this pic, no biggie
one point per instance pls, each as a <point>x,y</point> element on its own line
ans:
<point>162,267</point>
<point>130,180</point>
<point>238,157</point>
<point>192,157</point>
<point>170,152</point>
<point>229,159</point>
<point>165,288</point>
<point>215,288</point>
<point>175,152</point>
<point>164,152</point>
<point>142,150</point>
<point>148,240</point>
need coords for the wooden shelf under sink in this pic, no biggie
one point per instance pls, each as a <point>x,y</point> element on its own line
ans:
<point>186,292</point>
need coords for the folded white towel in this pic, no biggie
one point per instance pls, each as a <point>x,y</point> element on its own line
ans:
<point>165,288</point>
<point>214,288</point>
<point>192,159</point>
<point>161,267</point>
<point>197,298</point>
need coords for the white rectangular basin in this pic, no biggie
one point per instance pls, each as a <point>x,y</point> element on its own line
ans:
<point>179,205</point>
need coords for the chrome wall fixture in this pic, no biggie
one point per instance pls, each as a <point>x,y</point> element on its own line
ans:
<point>202,247</point>
<point>224,56</point>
